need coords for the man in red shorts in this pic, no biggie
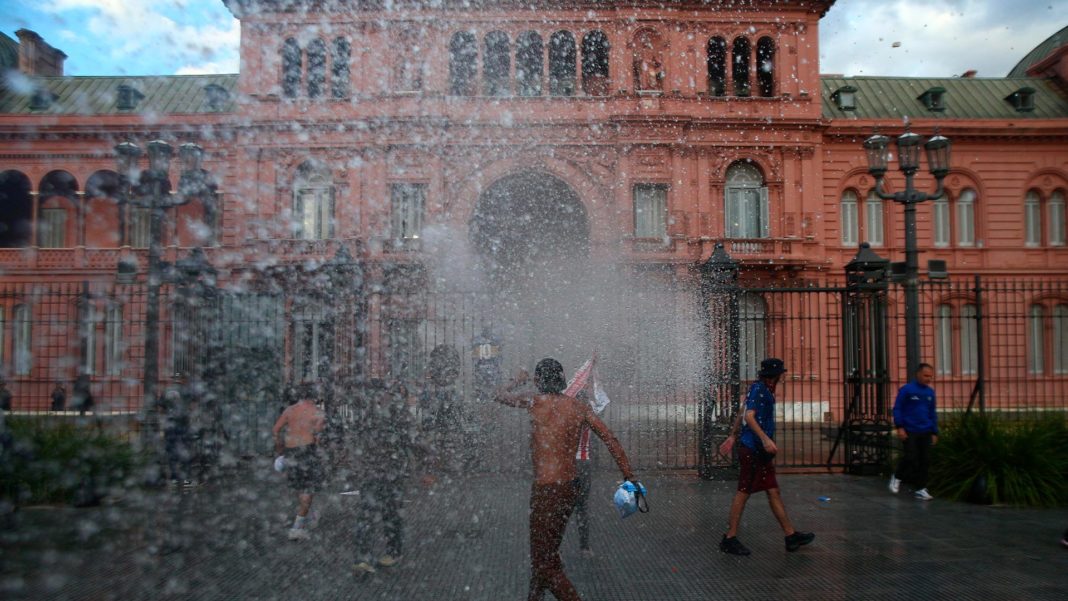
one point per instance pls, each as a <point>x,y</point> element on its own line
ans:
<point>556,422</point>
<point>756,453</point>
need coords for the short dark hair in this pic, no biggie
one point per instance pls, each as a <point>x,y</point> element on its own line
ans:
<point>923,366</point>
<point>549,375</point>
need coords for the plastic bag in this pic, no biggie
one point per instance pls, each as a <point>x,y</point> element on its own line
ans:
<point>630,498</point>
<point>280,463</point>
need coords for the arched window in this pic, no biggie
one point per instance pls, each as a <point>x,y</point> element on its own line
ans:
<point>969,340</point>
<point>1032,219</point>
<point>752,339</point>
<point>874,227</point>
<point>766,66</point>
<point>316,69</point>
<point>463,64</point>
<point>944,339</point>
<point>941,221</point>
<point>313,204</point>
<point>562,64</point>
<point>746,202</point>
<point>22,339</point>
<point>339,68</point>
<point>528,64</point>
<point>595,81</point>
<point>848,215</point>
<point>16,211</point>
<point>740,68</point>
<point>966,218</point>
<point>717,66</point>
<point>103,218</point>
<point>1036,355</point>
<point>1056,218</point>
<point>1060,339</point>
<point>58,208</point>
<point>496,64</point>
<point>291,68</point>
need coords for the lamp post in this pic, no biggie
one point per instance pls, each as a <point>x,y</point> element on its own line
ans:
<point>153,193</point>
<point>908,150</point>
<point>721,368</point>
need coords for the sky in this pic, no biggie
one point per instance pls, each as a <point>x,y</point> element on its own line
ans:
<point>920,38</point>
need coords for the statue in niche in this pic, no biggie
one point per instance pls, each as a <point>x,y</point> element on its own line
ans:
<point>648,61</point>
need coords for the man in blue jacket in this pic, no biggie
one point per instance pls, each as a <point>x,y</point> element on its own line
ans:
<point>916,422</point>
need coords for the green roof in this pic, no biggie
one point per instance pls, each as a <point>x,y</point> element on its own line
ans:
<point>1040,52</point>
<point>9,53</point>
<point>171,94</point>
<point>964,98</point>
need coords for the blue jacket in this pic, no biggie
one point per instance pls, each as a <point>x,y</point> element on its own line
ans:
<point>914,409</point>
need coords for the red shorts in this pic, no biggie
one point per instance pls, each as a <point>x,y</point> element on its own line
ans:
<point>758,470</point>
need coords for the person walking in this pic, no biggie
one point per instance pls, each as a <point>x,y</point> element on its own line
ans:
<point>916,424</point>
<point>756,454</point>
<point>579,386</point>
<point>59,397</point>
<point>556,421</point>
<point>303,424</point>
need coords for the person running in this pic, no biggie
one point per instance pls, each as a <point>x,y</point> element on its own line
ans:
<point>580,385</point>
<point>303,423</point>
<point>556,423</point>
<point>916,423</point>
<point>756,454</point>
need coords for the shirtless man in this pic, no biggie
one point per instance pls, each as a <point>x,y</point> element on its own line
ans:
<point>556,422</point>
<point>303,423</point>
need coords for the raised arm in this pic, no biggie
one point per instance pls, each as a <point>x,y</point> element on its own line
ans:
<point>614,448</point>
<point>506,395</point>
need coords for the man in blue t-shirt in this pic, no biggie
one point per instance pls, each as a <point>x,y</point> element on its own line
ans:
<point>756,455</point>
<point>916,422</point>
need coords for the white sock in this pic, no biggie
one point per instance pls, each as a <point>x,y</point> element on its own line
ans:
<point>298,523</point>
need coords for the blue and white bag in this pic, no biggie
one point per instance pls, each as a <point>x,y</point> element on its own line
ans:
<point>629,498</point>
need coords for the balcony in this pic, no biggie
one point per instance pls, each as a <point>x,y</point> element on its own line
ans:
<point>756,251</point>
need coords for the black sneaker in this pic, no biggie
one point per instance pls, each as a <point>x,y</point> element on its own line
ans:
<point>796,540</point>
<point>733,546</point>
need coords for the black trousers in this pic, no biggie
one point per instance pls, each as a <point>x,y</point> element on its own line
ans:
<point>380,502</point>
<point>915,462</point>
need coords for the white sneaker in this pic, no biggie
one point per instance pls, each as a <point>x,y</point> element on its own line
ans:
<point>388,561</point>
<point>298,534</point>
<point>313,520</point>
<point>895,484</point>
<point>922,495</point>
<point>362,569</point>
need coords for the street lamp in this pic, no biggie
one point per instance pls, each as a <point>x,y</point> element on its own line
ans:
<point>908,156</point>
<point>153,193</point>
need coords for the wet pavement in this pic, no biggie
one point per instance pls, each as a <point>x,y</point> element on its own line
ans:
<point>468,540</point>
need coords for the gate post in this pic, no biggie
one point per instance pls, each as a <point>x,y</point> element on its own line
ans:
<point>720,386</point>
<point>867,424</point>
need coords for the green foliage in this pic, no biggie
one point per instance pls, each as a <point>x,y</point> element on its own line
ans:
<point>1023,461</point>
<point>51,462</point>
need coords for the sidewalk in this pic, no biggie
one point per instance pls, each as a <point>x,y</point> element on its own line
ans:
<point>227,541</point>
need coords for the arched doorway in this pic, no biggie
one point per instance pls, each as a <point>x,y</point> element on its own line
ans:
<point>16,210</point>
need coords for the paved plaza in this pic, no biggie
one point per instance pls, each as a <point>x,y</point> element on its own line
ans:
<point>468,541</point>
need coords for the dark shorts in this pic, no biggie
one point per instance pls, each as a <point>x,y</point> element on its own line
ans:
<point>758,470</point>
<point>304,469</point>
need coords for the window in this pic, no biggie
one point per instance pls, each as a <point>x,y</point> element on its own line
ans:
<point>408,202</point>
<point>1036,356</point>
<point>941,221</point>
<point>90,318</point>
<point>312,341</point>
<point>650,210</point>
<point>969,340</point>
<point>595,80</point>
<point>463,64</point>
<point>1032,219</point>
<point>562,64</point>
<point>848,214</point>
<point>966,218</point>
<point>746,200</point>
<point>339,69</point>
<point>496,64</point>
<point>1060,339</point>
<point>291,68</point>
<point>766,67</point>
<point>740,68</point>
<point>406,349</point>
<point>873,219</point>
<point>113,341</point>
<point>316,69</point>
<point>717,66</point>
<point>752,339</point>
<point>528,64</point>
<point>52,228</point>
<point>21,340</point>
<point>944,339</point>
<point>314,206</point>
<point>1056,218</point>
<point>140,227</point>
